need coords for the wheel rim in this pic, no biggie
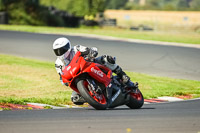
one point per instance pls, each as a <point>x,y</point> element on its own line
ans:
<point>137,96</point>
<point>100,98</point>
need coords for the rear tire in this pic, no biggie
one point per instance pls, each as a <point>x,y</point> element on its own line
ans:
<point>136,100</point>
<point>99,103</point>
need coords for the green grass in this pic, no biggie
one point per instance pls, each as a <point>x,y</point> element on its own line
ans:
<point>153,86</point>
<point>179,37</point>
<point>25,80</point>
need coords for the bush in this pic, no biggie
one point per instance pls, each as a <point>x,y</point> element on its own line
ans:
<point>21,17</point>
<point>53,20</point>
<point>26,12</point>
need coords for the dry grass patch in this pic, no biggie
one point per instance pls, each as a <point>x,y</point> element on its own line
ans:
<point>23,79</point>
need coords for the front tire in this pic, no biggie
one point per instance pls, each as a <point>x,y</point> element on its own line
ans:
<point>136,100</point>
<point>98,101</point>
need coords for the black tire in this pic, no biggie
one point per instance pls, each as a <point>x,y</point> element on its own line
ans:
<point>84,91</point>
<point>136,100</point>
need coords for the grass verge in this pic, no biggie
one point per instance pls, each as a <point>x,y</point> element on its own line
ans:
<point>179,37</point>
<point>25,80</point>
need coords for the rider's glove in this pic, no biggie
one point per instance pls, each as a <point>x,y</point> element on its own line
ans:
<point>93,52</point>
<point>109,59</point>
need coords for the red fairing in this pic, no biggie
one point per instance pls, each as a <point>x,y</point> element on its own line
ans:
<point>78,66</point>
<point>95,72</point>
<point>71,70</point>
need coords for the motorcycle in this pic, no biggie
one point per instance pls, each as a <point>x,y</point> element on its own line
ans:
<point>90,79</point>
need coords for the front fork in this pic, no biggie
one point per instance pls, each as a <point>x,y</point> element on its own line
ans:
<point>94,88</point>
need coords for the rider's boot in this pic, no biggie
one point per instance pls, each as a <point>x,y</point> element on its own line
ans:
<point>109,61</point>
<point>124,77</point>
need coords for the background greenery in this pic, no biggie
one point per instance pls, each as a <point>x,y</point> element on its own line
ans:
<point>35,12</point>
<point>175,5</point>
<point>77,7</point>
<point>100,5</point>
<point>29,12</point>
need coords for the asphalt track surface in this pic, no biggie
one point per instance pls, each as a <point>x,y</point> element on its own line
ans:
<point>176,117</point>
<point>172,61</point>
<point>167,61</point>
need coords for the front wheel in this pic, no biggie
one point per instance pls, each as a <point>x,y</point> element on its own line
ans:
<point>136,100</point>
<point>96,100</point>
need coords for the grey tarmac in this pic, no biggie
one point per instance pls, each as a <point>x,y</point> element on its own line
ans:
<point>174,117</point>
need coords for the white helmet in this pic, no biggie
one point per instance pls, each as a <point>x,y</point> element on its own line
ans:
<point>62,46</point>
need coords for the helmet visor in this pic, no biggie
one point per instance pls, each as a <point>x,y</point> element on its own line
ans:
<point>62,50</point>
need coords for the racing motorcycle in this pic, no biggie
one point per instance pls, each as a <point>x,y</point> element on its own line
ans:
<point>90,79</point>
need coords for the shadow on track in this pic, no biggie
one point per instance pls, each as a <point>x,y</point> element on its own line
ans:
<point>146,108</point>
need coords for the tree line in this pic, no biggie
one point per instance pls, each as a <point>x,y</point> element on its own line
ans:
<point>36,12</point>
<point>169,5</point>
<point>29,12</point>
<point>81,7</point>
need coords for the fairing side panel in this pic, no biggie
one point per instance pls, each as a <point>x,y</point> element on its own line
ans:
<point>97,74</point>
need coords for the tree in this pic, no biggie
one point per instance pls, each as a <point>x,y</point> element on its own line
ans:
<point>182,5</point>
<point>59,4</point>
<point>86,7</point>
<point>115,4</point>
<point>154,3</point>
<point>169,4</point>
<point>77,7</point>
<point>29,12</point>
<point>195,4</point>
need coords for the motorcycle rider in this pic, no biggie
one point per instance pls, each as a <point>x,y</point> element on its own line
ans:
<point>65,53</point>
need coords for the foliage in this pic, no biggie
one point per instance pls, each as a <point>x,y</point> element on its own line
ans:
<point>195,5</point>
<point>29,12</point>
<point>82,7</point>
<point>59,4</point>
<point>163,5</point>
<point>77,7</point>
<point>23,16</point>
<point>115,4</point>
<point>35,12</point>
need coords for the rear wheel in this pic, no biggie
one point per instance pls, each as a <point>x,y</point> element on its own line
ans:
<point>96,100</point>
<point>136,100</point>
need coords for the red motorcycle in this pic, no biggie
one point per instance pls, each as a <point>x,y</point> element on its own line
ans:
<point>90,80</point>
